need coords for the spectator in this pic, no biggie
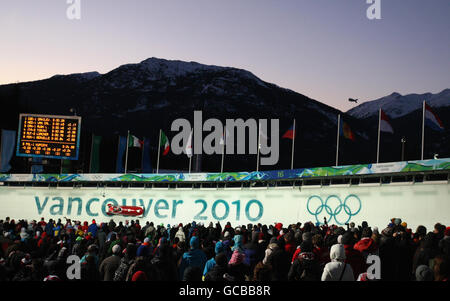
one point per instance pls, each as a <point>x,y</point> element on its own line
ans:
<point>144,250</point>
<point>305,267</point>
<point>353,257</point>
<point>441,268</point>
<point>180,233</point>
<point>444,243</point>
<point>138,271</point>
<point>193,258</point>
<point>127,260</point>
<point>89,269</point>
<point>220,268</point>
<point>262,272</point>
<point>246,252</point>
<point>337,269</point>
<point>212,262</point>
<point>280,262</point>
<point>110,264</point>
<point>236,266</point>
<point>366,245</point>
<point>93,228</point>
<point>426,251</point>
<point>164,264</point>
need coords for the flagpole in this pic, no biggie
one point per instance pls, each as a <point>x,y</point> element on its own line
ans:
<point>337,143</point>
<point>192,150</point>
<point>92,147</point>
<point>118,151</point>
<point>259,146</point>
<point>223,151</point>
<point>378,145</point>
<point>126,153</point>
<point>142,156</point>
<point>423,128</point>
<point>159,149</point>
<point>293,147</point>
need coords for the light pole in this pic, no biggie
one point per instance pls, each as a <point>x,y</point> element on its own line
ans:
<point>403,141</point>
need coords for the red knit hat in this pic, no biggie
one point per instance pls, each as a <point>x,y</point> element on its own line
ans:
<point>139,276</point>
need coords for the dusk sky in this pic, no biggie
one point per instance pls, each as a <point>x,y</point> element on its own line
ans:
<point>325,49</point>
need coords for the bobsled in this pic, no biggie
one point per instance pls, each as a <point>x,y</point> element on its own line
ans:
<point>125,210</point>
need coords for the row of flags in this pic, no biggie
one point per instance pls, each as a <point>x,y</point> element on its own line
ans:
<point>429,119</point>
<point>344,130</point>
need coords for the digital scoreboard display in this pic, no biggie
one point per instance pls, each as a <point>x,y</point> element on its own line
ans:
<point>48,136</point>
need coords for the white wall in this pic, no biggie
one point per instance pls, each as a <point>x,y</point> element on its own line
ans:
<point>418,204</point>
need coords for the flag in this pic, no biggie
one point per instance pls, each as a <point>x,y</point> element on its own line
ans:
<point>346,131</point>
<point>7,149</point>
<point>385,125</point>
<point>146,162</point>
<point>432,120</point>
<point>188,149</point>
<point>290,133</point>
<point>121,151</point>
<point>133,141</point>
<point>95,154</point>
<point>164,143</point>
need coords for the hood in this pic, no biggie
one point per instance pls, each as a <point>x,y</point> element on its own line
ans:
<point>237,242</point>
<point>337,253</point>
<point>219,248</point>
<point>194,243</point>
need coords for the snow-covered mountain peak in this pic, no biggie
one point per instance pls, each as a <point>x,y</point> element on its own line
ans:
<point>396,105</point>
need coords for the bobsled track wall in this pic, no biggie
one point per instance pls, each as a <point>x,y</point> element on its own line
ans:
<point>416,203</point>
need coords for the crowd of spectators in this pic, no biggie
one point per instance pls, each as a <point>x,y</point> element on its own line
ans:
<point>39,251</point>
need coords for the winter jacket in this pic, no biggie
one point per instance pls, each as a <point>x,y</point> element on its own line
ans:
<point>193,258</point>
<point>93,228</point>
<point>144,250</point>
<point>180,234</point>
<point>305,268</point>
<point>337,269</point>
<point>108,267</point>
<point>122,271</point>
<point>333,271</point>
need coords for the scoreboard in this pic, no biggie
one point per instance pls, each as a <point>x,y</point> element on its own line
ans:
<point>48,136</point>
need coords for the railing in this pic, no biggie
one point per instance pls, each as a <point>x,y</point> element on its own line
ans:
<point>362,174</point>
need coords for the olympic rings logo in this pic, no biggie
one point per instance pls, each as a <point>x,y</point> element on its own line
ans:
<point>343,207</point>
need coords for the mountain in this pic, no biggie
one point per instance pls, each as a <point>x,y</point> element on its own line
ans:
<point>405,113</point>
<point>397,105</point>
<point>146,97</point>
